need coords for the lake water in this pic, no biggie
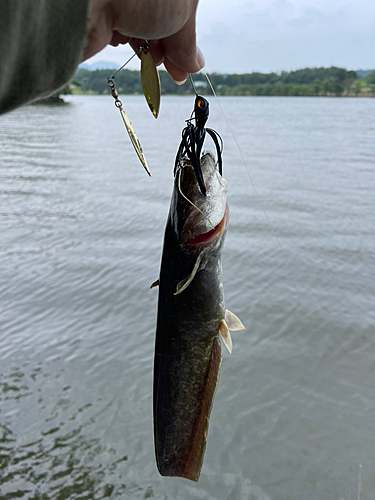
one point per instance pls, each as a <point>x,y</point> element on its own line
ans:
<point>81,229</point>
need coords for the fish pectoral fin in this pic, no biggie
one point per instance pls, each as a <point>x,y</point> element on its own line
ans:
<point>182,285</point>
<point>233,323</point>
<point>225,335</point>
<point>154,284</point>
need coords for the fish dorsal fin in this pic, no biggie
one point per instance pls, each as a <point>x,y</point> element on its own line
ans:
<point>225,335</point>
<point>182,285</point>
<point>233,323</point>
<point>154,284</point>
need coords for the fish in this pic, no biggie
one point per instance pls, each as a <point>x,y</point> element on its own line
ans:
<point>191,319</point>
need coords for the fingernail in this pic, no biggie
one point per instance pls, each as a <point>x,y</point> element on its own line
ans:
<point>181,82</point>
<point>200,58</point>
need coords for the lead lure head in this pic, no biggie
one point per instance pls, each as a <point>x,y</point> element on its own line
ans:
<point>193,138</point>
<point>201,111</point>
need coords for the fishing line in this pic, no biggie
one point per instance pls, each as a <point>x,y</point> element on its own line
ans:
<point>235,140</point>
<point>189,201</point>
<point>128,61</point>
<point>248,173</point>
<point>192,84</point>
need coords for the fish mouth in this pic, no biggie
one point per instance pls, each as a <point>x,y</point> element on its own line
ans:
<point>198,219</point>
<point>214,234</point>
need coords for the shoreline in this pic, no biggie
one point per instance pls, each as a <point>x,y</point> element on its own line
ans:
<point>366,94</point>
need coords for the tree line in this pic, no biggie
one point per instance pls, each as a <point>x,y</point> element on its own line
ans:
<point>332,81</point>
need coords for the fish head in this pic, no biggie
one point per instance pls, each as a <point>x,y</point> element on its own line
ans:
<point>199,220</point>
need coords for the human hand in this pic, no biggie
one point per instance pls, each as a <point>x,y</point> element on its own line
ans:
<point>168,25</point>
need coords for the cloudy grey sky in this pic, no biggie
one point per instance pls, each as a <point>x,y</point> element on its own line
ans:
<point>272,35</point>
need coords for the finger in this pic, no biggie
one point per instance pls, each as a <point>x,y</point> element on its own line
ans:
<point>181,50</point>
<point>155,47</point>
<point>135,44</point>
<point>157,51</point>
<point>178,75</point>
<point>118,39</point>
<point>152,20</point>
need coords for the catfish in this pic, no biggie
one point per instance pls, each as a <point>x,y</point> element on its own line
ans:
<point>191,319</point>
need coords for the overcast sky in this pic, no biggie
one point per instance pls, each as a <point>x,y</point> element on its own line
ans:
<point>238,36</point>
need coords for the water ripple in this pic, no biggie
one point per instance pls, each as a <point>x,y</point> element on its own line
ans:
<point>82,231</point>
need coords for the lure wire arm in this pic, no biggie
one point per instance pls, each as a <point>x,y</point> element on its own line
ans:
<point>193,138</point>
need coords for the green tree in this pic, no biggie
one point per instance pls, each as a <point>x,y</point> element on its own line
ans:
<point>370,79</point>
<point>305,81</point>
<point>356,87</point>
<point>317,86</point>
<point>326,86</point>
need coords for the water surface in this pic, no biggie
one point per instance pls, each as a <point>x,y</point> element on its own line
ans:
<point>81,236</point>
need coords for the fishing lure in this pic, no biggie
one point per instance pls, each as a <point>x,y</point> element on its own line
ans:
<point>150,81</point>
<point>151,89</point>
<point>193,137</point>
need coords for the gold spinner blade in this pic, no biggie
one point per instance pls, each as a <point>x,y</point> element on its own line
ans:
<point>150,81</point>
<point>134,139</point>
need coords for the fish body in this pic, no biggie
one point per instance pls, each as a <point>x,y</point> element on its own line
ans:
<point>191,316</point>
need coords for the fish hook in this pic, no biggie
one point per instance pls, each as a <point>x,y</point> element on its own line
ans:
<point>193,137</point>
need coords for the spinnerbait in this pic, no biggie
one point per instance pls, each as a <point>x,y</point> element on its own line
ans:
<point>193,138</point>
